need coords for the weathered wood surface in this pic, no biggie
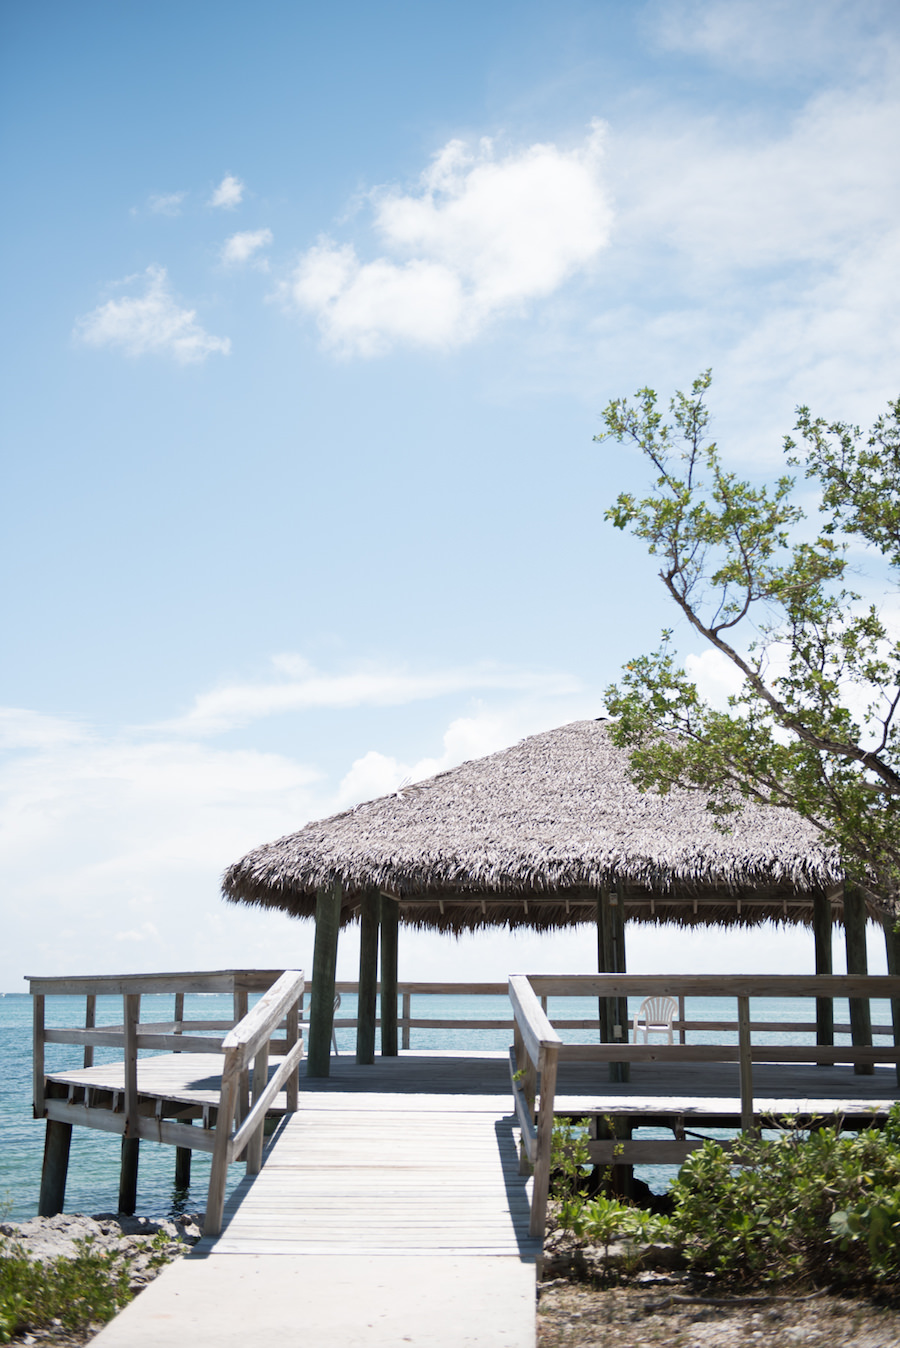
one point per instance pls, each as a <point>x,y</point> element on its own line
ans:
<point>690,1087</point>
<point>404,1176</point>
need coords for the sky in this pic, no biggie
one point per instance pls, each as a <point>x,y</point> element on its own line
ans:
<point>310,315</point>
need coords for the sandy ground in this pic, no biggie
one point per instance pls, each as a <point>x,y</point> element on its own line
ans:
<point>575,1315</point>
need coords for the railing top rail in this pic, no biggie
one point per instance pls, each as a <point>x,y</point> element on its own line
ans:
<point>215,980</point>
<point>537,1032</point>
<point>715,985</point>
<point>260,1021</point>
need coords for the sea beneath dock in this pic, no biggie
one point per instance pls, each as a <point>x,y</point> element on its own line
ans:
<point>95,1157</point>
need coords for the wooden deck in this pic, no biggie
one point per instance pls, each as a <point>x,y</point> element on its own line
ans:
<point>481,1080</point>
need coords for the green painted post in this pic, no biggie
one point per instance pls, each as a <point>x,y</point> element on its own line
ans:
<point>367,1001</point>
<point>620,1004</point>
<point>822,935</point>
<point>321,1003</point>
<point>857,963</point>
<point>390,920</point>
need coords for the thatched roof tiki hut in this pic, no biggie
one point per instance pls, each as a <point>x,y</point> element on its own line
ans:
<point>549,833</point>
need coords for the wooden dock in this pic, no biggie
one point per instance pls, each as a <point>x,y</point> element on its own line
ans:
<point>390,1204</point>
<point>378,1218</point>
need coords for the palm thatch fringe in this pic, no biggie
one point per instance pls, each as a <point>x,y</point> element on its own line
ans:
<point>530,836</point>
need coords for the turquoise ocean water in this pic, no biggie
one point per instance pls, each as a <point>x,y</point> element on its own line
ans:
<point>94,1162</point>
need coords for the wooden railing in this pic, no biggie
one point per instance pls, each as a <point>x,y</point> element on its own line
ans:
<point>538,1049</point>
<point>249,1040</point>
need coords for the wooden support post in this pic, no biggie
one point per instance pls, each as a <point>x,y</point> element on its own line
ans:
<point>128,1175</point>
<point>746,1065</point>
<point>131,1018</point>
<point>613,1011</point>
<point>822,932</point>
<point>620,1004</point>
<point>367,997</point>
<point>321,1009</point>
<point>892,944</point>
<point>390,921</point>
<point>90,1020</point>
<point>130,1140</point>
<point>183,1167</point>
<point>857,963</point>
<point>37,1061</point>
<point>57,1141</point>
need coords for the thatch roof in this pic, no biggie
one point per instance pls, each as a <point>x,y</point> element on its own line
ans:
<point>530,835</point>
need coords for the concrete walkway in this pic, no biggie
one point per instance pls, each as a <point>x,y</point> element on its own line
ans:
<point>375,1222</point>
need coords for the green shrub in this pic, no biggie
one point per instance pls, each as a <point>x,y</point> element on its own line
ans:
<point>816,1207</point>
<point>89,1288</point>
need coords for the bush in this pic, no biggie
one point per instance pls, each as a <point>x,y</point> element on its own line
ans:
<point>817,1206</point>
<point>89,1288</point>
<point>811,1207</point>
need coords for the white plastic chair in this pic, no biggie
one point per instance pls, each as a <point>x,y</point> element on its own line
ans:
<point>655,1015</point>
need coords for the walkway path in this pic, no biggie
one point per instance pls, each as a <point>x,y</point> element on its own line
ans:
<point>377,1220</point>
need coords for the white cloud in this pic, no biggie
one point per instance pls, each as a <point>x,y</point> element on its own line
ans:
<point>24,729</point>
<point>376,774</point>
<point>300,687</point>
<point>766,36</point>
<point>167,204</point>
<point>228,194</point>
<point>240,247</point>
<point>152,323</point>
<point>484,235</point>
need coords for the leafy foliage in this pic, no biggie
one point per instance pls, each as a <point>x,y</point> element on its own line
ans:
<point>89,1288</point>
<point>822,1207</point>
<point>814,726</point>
<point>816,1207</point>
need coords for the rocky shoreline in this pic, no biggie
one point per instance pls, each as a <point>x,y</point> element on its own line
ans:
<point>142,1244</point>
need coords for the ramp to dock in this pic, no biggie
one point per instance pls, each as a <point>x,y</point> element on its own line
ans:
<point>376,1221</point>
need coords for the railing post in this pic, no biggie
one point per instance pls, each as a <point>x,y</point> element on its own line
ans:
<point>90,1020</point>
<point>179,1016</point>
<point>405,1014</point>
<point>682,1033</point>
<point>292,1087</point>
<point>746,1064</point>
<point>539,1194</point>
<point>218,1174</point>
<point>260,1081</point>
<point>240,1002</point>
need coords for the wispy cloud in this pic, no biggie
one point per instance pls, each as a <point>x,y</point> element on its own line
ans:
<point>298,686</point>
<point>168,204</point>
<point>228,194</point>
<point>484,235</point>
<point>151,323</point>
<point>242,246</point>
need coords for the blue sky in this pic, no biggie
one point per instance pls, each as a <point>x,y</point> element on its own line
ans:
<point>310,316</point>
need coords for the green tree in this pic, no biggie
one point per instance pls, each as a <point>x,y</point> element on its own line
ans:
<point>815,724</point>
